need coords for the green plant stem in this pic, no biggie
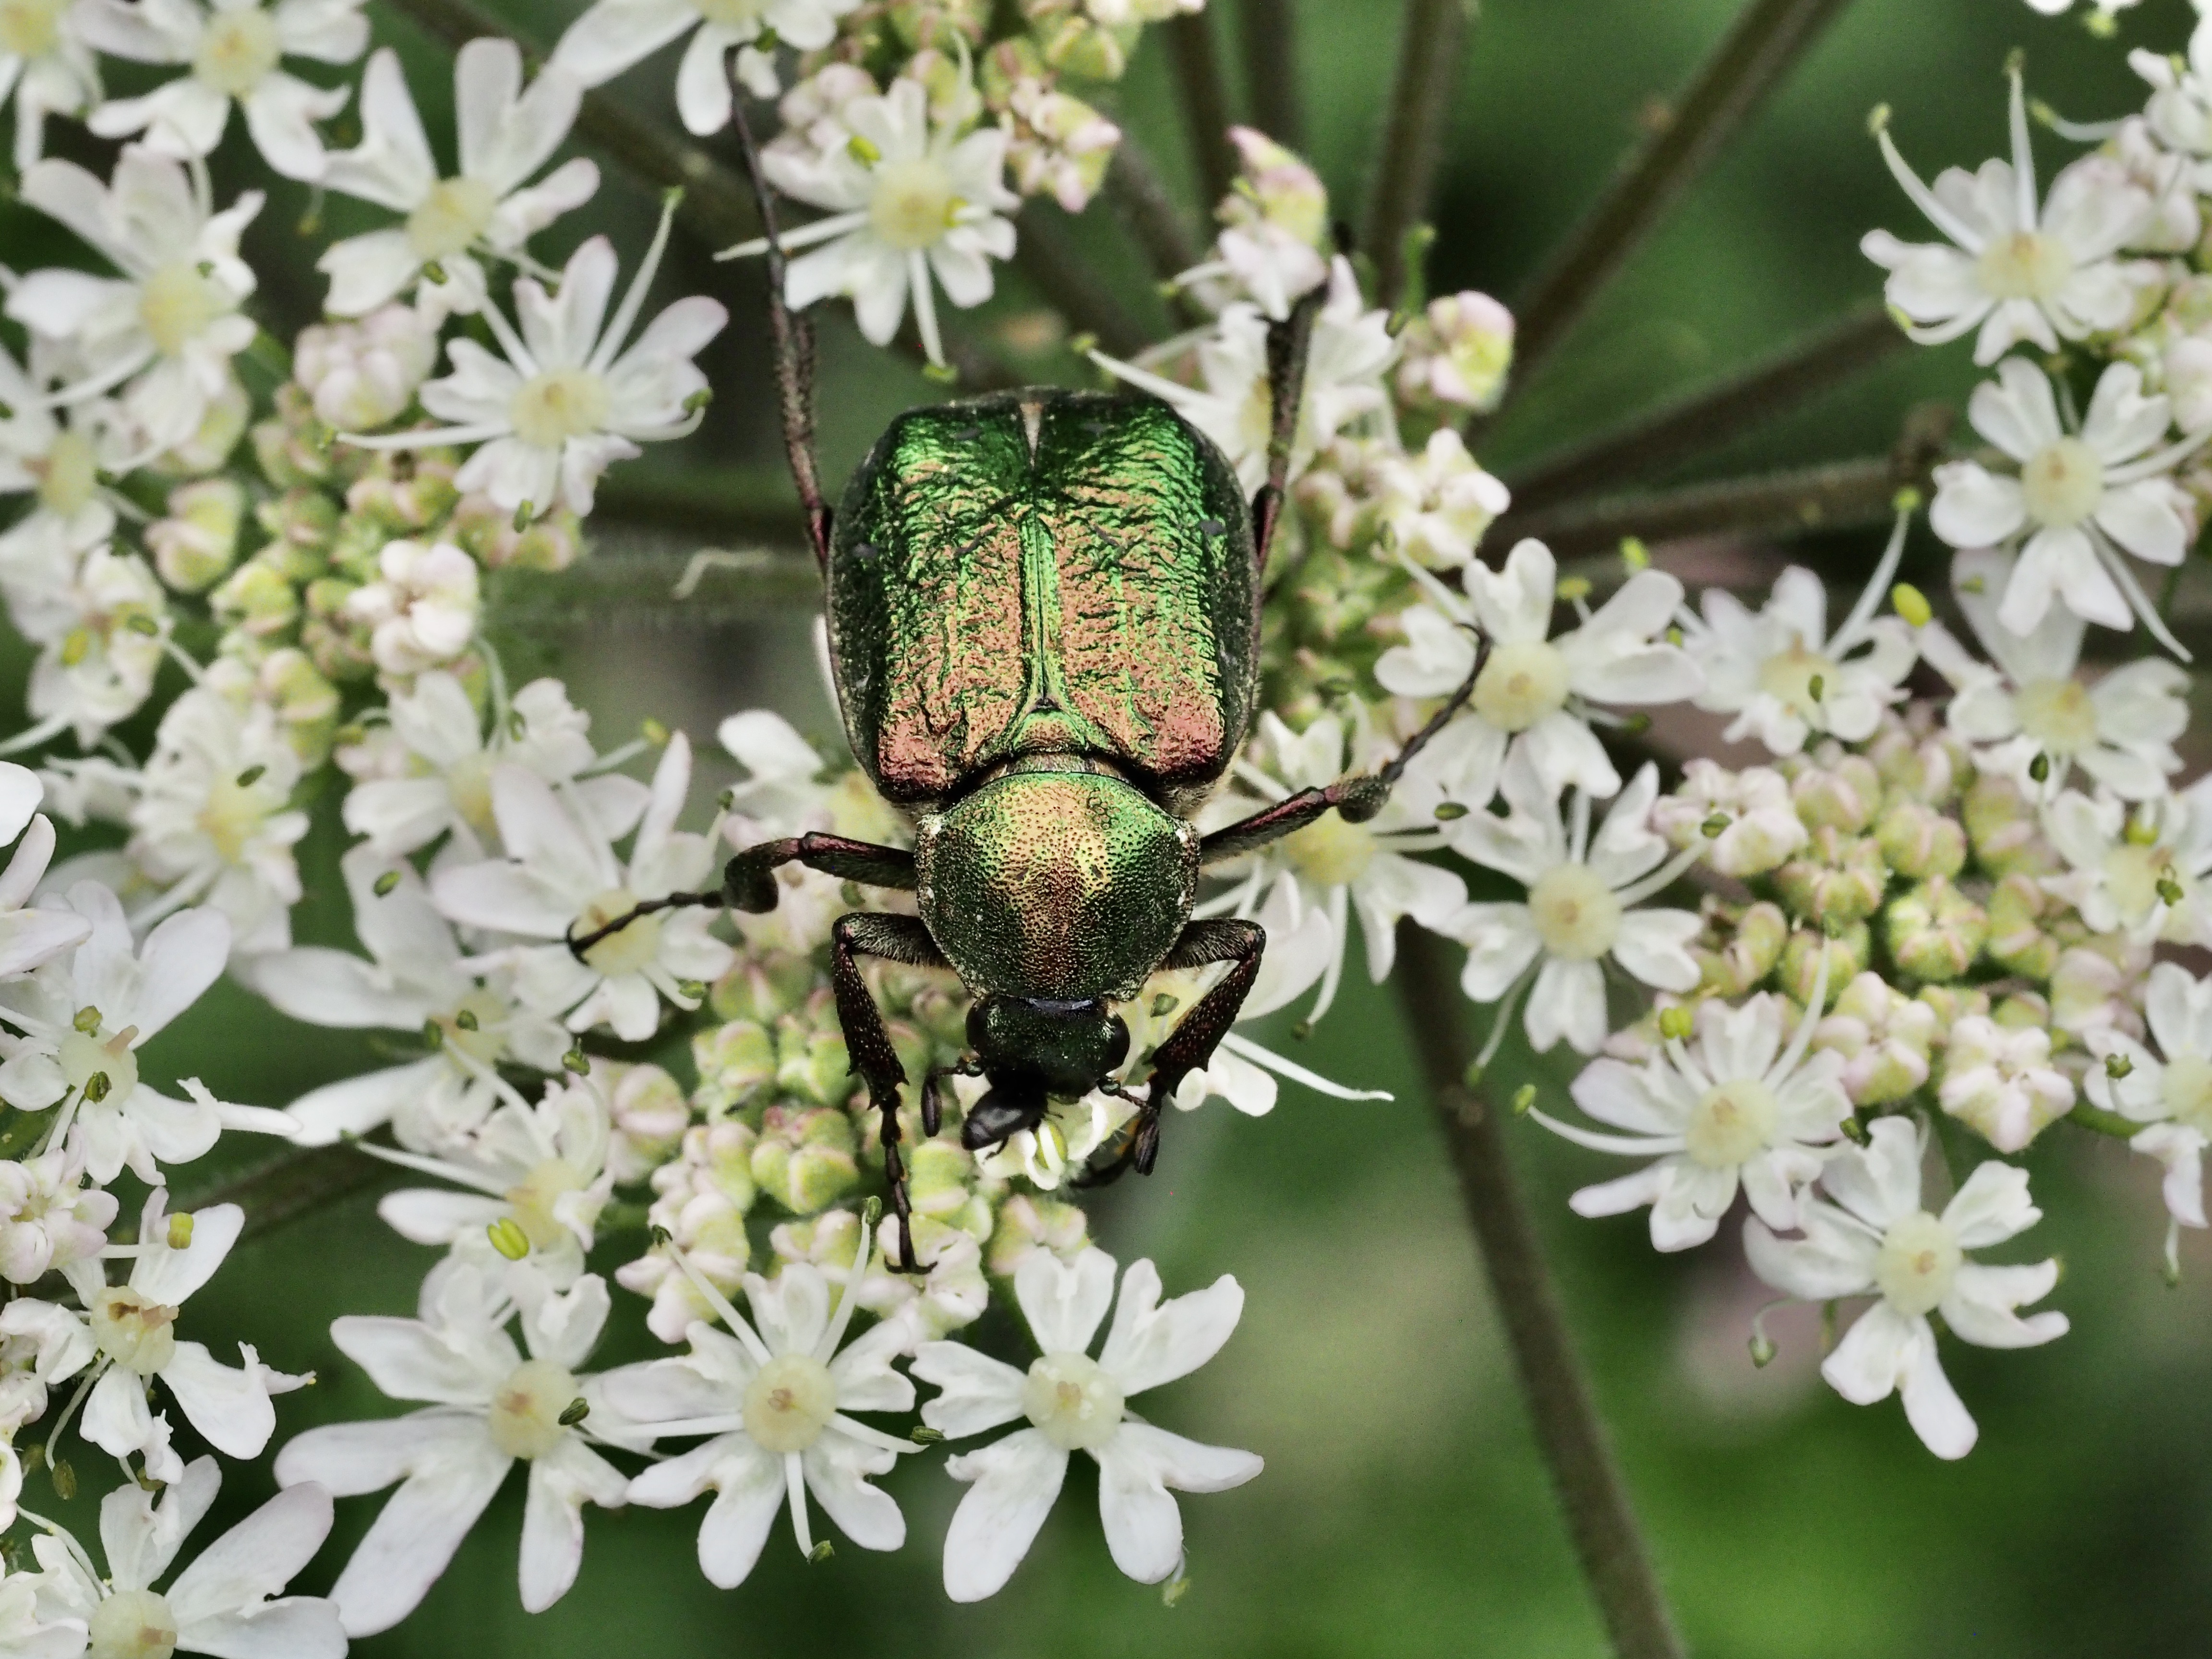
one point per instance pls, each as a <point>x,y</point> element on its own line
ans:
<point>1838,496</point>
<point>2097,1119</point>
<point>1569,1432</point>
<point>619,590</point>
<point>1269,31</point>
<point>1429,45</point>
<point>1049,254</point>
<point>288,1186</point>
<point>1148,212</point>
<point>1713,416</point>
<point>1759,48</point>
<point>1197,61</point>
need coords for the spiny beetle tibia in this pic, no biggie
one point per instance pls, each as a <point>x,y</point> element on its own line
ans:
<point>1044,619</point>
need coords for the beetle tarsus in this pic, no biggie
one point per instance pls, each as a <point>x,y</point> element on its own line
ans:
<point>874,1060</point>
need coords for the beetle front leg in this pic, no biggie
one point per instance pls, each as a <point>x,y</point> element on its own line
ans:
<point>1190,1046</point>
<point>1357,798</point>
<point>874,1060</point>
<point>749,880</point>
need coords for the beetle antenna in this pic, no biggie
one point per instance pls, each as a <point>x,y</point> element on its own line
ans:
<point>580,946</point>
<point>792,337</point>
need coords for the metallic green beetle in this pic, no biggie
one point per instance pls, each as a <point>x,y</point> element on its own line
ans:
<point>1043,614</point>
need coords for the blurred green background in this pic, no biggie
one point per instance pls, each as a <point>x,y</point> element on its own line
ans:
<point>1404,1510</point>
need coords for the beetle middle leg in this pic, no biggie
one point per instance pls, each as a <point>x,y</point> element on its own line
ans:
<point>749,880</point>
<point>1191,1043</point>
<point>897,938</point>
<point>1357,798</point>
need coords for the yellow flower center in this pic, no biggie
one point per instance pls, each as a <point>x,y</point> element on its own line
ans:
<point>731,14</point>
<point>913,204</point>
<point>137,1333</point>
<point>1732,1124</point>
<point>485,1040</point>
<point>1329,852</point>
<point>533,1201</point>
<point>627,951</point>
<point>470,779</point>
<point>2132,874</point>
<point>67,474</point>
<point>2064,484</point>
<point>235,813</point>
<point>524,1420</point>
<point>1520,683</point>
<point>2024,266</point>
<point>2058,716</point>
<point>132,1624</point>
<point>2185,1090</point>
<point>450,218</point>
<point>1576,915</point>
<point>1787,677</point>
<point>30,29</point>
<point>237,48</point>
<point>557,405</point>
<point>789,1402</point>
<point>1074,1401</point>
<point>177,303</point>
<point>85,1056</point>
<point>1918,1259</point>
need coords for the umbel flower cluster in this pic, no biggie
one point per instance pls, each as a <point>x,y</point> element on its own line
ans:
<point>1938,870</point>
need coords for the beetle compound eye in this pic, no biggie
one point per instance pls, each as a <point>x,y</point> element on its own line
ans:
<point>1117,1049</point>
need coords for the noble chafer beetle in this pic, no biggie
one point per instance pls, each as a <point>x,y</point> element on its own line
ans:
<point>1044,621</point>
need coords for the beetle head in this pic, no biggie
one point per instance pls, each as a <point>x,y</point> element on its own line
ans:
<point>1030,1049</point>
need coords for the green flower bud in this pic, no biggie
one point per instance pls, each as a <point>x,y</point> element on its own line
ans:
<point>1837,876</point>
<point>735,1062</point>
<point>1951,1003</point>
<point>811,1062</point>
<point>256,598</point>
<point>1934,932</point>
<point>196,544</point>
<point>1847,955</point>
<point>938,1176</point>
<point>299,524</point>
<point>1920,759</point>
<point>1841,796</point>
<point>2023,1011</point>
<point>763,987</point>
<point>1884,1037</point>
<point>2003,829</point>
<point>804,1159</point>
<point>1744,947</point>
<point>1025,1222</point>
<point>1918,840</point>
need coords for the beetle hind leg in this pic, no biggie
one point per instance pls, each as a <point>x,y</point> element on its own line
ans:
<point>897,938</point>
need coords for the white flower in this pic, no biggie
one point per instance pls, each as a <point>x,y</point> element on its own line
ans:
<point>561,879</point>
<point>228,1602</point>
<point>1350,351</point>
<point>429,771</point>
<point>29,937</point>
<point>1876,1239</point>
<point>1063,1140</point>
<point>1333,865</point>
<point>103,630</point>
<point>2080,499</point>
<point>84,1016</point>
<point>777,1404</point>
<point>616,33</point>
<point>1275,222</point>
<point>1731,1114</point>
<point>487,209</point>
<point>172,319</point>
<point>1535,694</point>
<point>488,1406</point>
<point>2169,1088</point>
<point>2120,729</point>
<point>569,400</point>
<point>214,822</point>
<point>911,200</point>
<point>232,51</point>
<point>46,64</point>
<point>56,456</point>
<point>1074,1402</point>
<point>542,1167</point>
<point>422,610</point>
<point>414,979</point>
<point>48,1218</point>
<point>26,1631</point>
<point>2180,108</point>
<point>1580,908</point>
<point>2141,872</point>
<point>1761,827</point>
<point>134,1327</point>
<point>2001,1082</point>
<point>1782,675</point>
<point>364,373</point>
<point>781,791</point>
<point>1436,504</point>
<point>2020,271</point>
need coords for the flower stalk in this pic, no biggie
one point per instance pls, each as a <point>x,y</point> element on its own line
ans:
<point>1569,1433</point>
